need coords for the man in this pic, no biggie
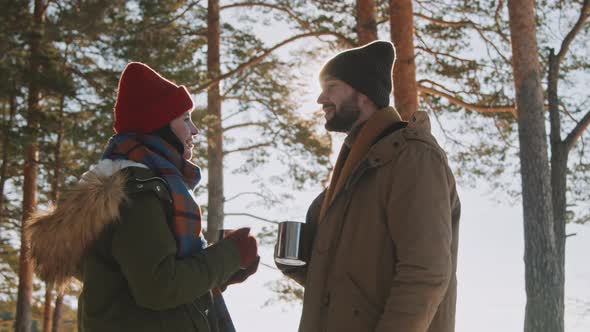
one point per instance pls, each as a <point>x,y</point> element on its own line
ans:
<point>381,240</point>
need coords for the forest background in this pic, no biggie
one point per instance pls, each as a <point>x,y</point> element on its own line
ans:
<point>504,83</point>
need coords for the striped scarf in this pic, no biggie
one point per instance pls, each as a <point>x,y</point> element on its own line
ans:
<point>182,178</point>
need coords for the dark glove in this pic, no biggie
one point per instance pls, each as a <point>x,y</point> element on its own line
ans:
<point>242,275</point>
<point>246,245</point>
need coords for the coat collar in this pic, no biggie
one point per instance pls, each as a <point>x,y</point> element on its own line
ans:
<point>387,148</point>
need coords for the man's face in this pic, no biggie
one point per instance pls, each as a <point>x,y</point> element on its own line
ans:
<point>340,105</point>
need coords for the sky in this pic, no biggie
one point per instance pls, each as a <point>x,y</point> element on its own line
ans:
<point>491,292</point>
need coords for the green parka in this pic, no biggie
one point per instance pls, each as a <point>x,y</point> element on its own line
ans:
<point>111,231</point>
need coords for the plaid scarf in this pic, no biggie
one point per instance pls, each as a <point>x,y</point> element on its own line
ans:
<point>182,178</point>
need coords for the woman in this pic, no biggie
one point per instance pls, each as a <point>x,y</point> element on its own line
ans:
<point>131,229</point>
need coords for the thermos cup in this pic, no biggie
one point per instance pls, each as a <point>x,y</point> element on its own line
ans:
<point>288,250</point>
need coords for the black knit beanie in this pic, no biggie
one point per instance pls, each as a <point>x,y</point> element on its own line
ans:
<point>368,69</point>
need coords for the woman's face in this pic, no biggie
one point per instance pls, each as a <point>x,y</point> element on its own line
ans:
<point>184,128</point>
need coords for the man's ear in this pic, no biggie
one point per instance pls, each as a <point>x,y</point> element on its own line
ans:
<point>366,103</point>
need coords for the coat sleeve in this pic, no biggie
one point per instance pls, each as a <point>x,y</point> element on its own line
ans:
<point>419,222</point>
<point>145,249</point>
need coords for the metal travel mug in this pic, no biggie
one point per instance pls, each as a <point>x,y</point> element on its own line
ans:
<point>288,250</point>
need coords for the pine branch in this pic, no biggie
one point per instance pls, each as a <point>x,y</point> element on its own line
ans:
<point>497,19</point>
<point>239,81</point>
<point>246,124</point>
<point>576,133</point>
<point>436,84</point>
<point>160,25</point>
<point>436,54</point>
<point>440,125</point>
<point>257,59</point>
<point>288,11</point>
<point>240,111</point>
<point>469,106</point>
<point>250,147</point>
<point>553,79</point>
<point>584,14</point>
<point>442,22</point>
<point>467,23</point>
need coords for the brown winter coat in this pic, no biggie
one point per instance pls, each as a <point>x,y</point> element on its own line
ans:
<point>384,256</point>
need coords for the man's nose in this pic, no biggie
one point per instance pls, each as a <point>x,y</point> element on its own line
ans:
<point>321,98</point>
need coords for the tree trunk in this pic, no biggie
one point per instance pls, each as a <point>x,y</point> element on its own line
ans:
<point>57,171</point>
<point>542,287</point>
<point>47,307</point>
<point>57,311</point>
<point>405,88</point>
<point>366,24</point>
<point>25,273</point>
<point>559,157</point>
<point>5,152</point>
<point>214,131</point>
<point>55,186</point>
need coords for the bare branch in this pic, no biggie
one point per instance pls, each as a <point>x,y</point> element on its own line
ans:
<point>469,106</point>
<point>467,23</point>
<point>584,13</point>
<point>239,81</point>
<point>233,114</point>
<point>435,53</point>
<point>497,18</point>
<point>286,10</point>
<point>251,216</point>
<point>564,110</point>
<point>245,193</point>
<point>489,42</point>
<point>443,22</point>
<point>262,56</point>
<point>159,25</point>
<point>436,84</point>
<point>576,133</point>
<point>246,124</point>
<point>250,147</point>
<point>440,125</point>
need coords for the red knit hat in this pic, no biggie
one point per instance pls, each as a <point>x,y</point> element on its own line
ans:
<point>146,101</point>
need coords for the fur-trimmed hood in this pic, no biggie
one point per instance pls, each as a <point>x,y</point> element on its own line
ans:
<point>59,237</point>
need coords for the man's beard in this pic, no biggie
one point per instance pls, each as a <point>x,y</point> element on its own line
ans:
<point>345,116</point>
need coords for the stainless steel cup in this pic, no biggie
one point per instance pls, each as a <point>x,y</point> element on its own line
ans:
<point>288,250</point>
